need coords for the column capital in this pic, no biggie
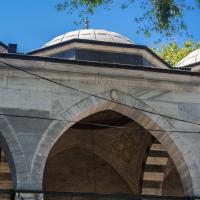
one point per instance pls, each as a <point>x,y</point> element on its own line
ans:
<point>28,196</point>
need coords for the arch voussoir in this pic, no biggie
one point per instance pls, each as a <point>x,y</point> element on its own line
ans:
<point>91,105</point>
<point>13,152</point>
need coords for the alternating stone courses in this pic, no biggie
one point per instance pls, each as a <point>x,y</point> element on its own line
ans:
<point>154,170</point>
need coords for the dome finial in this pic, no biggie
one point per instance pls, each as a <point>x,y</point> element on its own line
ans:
<point>86,23</point>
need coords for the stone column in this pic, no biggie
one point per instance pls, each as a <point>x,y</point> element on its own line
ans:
<point>29,196</point>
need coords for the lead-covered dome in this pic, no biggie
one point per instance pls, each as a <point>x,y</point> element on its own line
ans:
<point>191,58</point>
<point>90,34</point>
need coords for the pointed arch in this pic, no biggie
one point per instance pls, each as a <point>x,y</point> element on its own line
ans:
<point>102,155</point>
<point>91,105</point>
<point>13,152</point>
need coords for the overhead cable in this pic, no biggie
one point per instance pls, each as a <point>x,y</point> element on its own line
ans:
<point>95,124</point>
<point>96,96</point>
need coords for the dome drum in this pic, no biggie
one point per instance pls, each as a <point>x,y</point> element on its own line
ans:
<point>104,57</point>
<point>100,46</point>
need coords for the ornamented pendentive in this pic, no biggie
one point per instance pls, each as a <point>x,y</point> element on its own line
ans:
<point>125,147</point>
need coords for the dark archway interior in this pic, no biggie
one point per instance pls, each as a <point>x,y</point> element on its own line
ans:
<point>85,172</point>
<point>99,159</point>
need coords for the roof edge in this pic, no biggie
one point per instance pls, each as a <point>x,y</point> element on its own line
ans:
<point>97,64</point>
<point>3,45</point>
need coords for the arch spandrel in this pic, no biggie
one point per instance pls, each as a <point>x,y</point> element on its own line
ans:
<point>92,105</point>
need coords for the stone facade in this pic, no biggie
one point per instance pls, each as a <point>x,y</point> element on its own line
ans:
<point>28,142</point>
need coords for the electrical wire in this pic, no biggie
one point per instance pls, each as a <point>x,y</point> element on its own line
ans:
<point>95,124</point>
<point>96,96</point>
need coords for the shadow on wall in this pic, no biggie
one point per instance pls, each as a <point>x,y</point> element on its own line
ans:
<point>94,159</point>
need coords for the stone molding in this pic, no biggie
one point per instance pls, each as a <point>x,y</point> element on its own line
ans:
<point>57,70</point>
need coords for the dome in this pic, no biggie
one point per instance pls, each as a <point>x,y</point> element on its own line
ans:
<point>90,34</point>
<point>191,58</point>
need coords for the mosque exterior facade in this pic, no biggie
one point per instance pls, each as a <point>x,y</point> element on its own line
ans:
<point>92,112</point>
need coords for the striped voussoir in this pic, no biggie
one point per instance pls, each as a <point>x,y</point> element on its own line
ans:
<point>5,176</point>
<point>153,176</point>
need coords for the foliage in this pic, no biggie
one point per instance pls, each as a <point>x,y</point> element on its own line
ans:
<point>161,16</point>
<point>173,53</point>
<point>84,7</point>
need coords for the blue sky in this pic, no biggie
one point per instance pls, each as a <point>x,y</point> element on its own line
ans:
<point>32,23</point>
